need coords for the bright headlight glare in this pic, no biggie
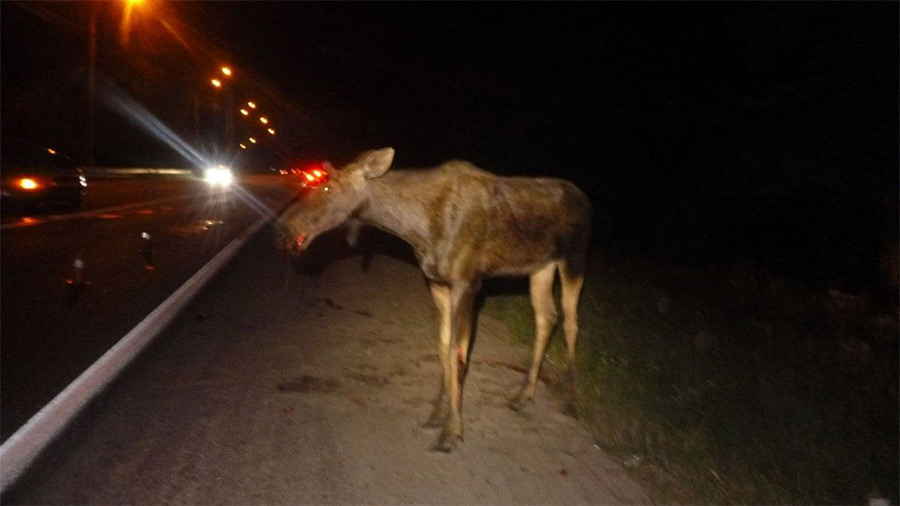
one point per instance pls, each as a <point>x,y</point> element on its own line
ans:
<point>218,176</point>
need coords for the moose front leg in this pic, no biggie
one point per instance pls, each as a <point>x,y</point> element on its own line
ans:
<point>441,295</point>
<point>462,298</point>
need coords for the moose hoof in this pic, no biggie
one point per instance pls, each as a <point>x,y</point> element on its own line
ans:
<point>518,403</point>
<point>433,423</point>
<point>446,443</point>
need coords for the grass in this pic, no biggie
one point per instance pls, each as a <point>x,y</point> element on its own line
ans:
<point>734,385</point>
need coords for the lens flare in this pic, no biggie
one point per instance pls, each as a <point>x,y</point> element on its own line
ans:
<point>141,117</point>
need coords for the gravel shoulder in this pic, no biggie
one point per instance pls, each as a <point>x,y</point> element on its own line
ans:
<point>311,388</point>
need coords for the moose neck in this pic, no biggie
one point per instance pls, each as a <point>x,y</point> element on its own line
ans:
<point>398,202</point>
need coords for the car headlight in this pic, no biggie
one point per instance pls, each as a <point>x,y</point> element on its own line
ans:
<point>218,176</point>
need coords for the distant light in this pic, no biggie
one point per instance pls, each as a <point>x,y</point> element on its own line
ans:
<point>245,112</point>
<point>252,105</point>
<point>243,146</point>
<point>28,184</point>
<point>226,71</point>
<point>309,177</point>
<point>216,83</point>
<point>252,140</point>
<point>51,151</point>
<point>271,131</point>
<point>264,120</point>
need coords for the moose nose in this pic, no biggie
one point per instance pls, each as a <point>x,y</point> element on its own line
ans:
<point>288,241</point>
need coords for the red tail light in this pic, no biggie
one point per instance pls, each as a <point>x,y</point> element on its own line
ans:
<point>28,183</point>
<point>314,175</point>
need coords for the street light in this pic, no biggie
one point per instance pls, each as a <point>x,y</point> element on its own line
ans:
<point>271,131</point>
<point>245,112</point>
<point>215,82</point>
<point>252,140</point>
<point>226,71</point>
<point>252,105</point>
<point>264,120</point>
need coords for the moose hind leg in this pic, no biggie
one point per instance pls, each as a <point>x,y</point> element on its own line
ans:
<point>572,280</point>
<point>441,295</point>
<point>541,288</point>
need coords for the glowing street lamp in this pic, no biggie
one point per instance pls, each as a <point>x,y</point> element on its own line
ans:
<point>125,26</point>
<point>252,140</point>
<point>242,145</point>
<point>226,71</point>
<point>252,105</point>
<point>215,82</point>
<point>264,120</point>
<point>271,131</point>
<point>245,112</point>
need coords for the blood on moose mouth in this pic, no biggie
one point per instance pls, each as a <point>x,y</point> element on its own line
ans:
<point>298,242</point>
<point>294,243</point>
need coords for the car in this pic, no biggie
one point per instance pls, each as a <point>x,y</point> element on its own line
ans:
<point>39,176</point>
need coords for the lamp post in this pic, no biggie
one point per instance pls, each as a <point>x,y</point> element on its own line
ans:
<point>228,120</point>
<point>92,82</point>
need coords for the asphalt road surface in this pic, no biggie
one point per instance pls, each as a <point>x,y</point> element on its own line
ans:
<point>278,387</point>
<point>52,329</point>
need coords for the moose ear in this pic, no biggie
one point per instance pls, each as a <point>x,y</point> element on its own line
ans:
<point>377,162</point>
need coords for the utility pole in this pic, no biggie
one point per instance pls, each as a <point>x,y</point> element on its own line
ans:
<point>196,118</point>
<point>92,83</point>
<point>229,119</point>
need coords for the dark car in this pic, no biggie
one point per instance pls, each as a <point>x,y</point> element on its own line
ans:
<point>39,176</point>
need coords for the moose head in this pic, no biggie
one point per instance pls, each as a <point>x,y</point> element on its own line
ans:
<point>332,204</point>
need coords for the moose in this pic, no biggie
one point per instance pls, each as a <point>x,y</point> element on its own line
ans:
<point>464,224</point>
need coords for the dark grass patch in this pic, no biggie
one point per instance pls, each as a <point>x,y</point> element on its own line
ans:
<point>731,385</point>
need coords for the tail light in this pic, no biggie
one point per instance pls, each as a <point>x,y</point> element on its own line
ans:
<point>29,184</point>
<point>314,176</point>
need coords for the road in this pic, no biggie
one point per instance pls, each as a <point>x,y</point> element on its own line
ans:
<point>274,387</point>
<point>51,330</point>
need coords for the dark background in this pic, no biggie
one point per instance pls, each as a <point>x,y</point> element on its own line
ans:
<point>704,132</point>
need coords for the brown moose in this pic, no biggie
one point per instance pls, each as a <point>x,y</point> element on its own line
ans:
<point>464,224</point>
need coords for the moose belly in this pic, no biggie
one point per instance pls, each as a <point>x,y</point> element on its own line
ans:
<point>485,261</point>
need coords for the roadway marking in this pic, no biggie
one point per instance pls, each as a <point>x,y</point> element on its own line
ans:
<point>31,221</point>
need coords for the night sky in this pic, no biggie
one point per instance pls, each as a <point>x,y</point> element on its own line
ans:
<point>703,132</point>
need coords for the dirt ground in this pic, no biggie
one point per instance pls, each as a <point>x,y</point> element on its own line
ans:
<point>311,388</point>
